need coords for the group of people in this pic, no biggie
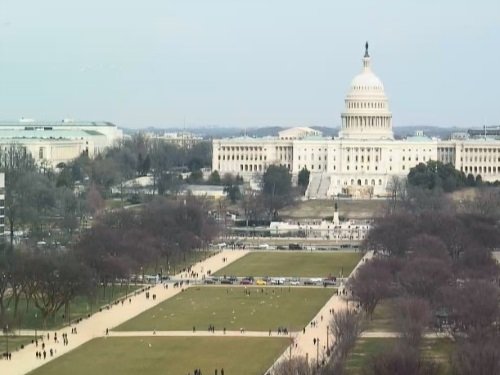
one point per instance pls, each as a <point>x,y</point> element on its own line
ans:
<point>281,330</point>
<point>198,372</point>
<point>42,354</point>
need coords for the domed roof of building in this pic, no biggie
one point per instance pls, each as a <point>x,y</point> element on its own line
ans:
<point>366,82</point>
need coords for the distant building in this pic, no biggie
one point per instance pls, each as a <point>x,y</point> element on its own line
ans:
<point>207,191</point>
<point>363,159</point>
<point>180,139</point>
<point>59,141</point>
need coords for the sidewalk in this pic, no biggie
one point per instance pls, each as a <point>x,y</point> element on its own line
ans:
<point>303,344</point>
<point>25,360</point>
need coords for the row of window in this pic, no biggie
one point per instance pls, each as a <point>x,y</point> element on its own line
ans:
<point>362,158</point>
<point>240,148</point>
<point>362,167</point>
<point>365,105</point>
<point>481,150</point>
<point>480,158</point>
<point>481,169</point>
<point>238,157</point>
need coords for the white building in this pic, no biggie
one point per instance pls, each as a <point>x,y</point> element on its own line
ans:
<point>363,159</point>
<point>181,139</point>
<point>56,142</point>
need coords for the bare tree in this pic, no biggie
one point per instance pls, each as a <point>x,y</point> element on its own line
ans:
<point>295,366</point>
<point>472,307</point>
<point>371,283</point>
<point>414,315</point>
<point>485,202</point>
<point>391,233</point>
<point>427,245</point>
<point>401,360</point>
<point>397,191</point>
<point>345,327</point>
<point>422,276</point>
<point>481,357</point>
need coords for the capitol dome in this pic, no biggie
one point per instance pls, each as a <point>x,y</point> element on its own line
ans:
<point>366,114</point>
<point>366,81</point>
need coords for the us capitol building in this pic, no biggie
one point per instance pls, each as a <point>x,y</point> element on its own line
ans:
<point>364,158</point>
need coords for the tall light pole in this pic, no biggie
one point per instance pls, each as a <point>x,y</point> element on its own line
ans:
<point>327,346</point>
<point>317,352</point>
<point>7,339</point>
<point>36,325</point>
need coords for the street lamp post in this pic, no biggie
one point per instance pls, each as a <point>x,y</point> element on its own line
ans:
<point>7,339</point>
<point>36,325</point>
<point>327,346</point>
<point>317,352</point>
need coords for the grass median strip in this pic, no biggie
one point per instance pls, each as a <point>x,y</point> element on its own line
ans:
<point>293,264</point>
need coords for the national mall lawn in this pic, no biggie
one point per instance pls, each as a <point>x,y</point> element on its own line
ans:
<point>169,355</point>
<point>293,264</point>
<point>234,307</point>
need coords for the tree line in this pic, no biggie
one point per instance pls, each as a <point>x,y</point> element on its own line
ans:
<point>138,156</point>
<point>120,244</point>
<point>436,266</point>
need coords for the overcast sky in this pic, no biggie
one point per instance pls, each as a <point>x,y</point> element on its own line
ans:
<point>247,63</point>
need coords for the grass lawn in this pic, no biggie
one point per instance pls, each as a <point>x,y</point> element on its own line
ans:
<point>348,208</point>
<point>231,308</point>
<point>168,355</point>
<point>436,349</point>
<point>15,342</point>
<point>293,264</point>
<point>383,319</point>
<point>80,307</point>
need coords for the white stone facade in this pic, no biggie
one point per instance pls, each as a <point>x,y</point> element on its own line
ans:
<point>364,158</point>
<point>57,142</point>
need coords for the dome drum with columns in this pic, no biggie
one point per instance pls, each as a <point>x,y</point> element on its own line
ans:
<point>366,114</point>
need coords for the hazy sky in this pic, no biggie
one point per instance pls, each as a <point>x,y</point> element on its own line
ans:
<point>246,63</point>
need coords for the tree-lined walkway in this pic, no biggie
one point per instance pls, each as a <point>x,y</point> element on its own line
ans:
<point>305,343</point>
<point>97,325</point>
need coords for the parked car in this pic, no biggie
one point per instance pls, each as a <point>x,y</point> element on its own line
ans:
<point>246,282</point>
<point>278,280</point>
<point>327,282</point>
<point>313,281</point>
<point>209,281</point>
<point>227,281</point>
<point>260,282</point>
<point>295,282</point>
